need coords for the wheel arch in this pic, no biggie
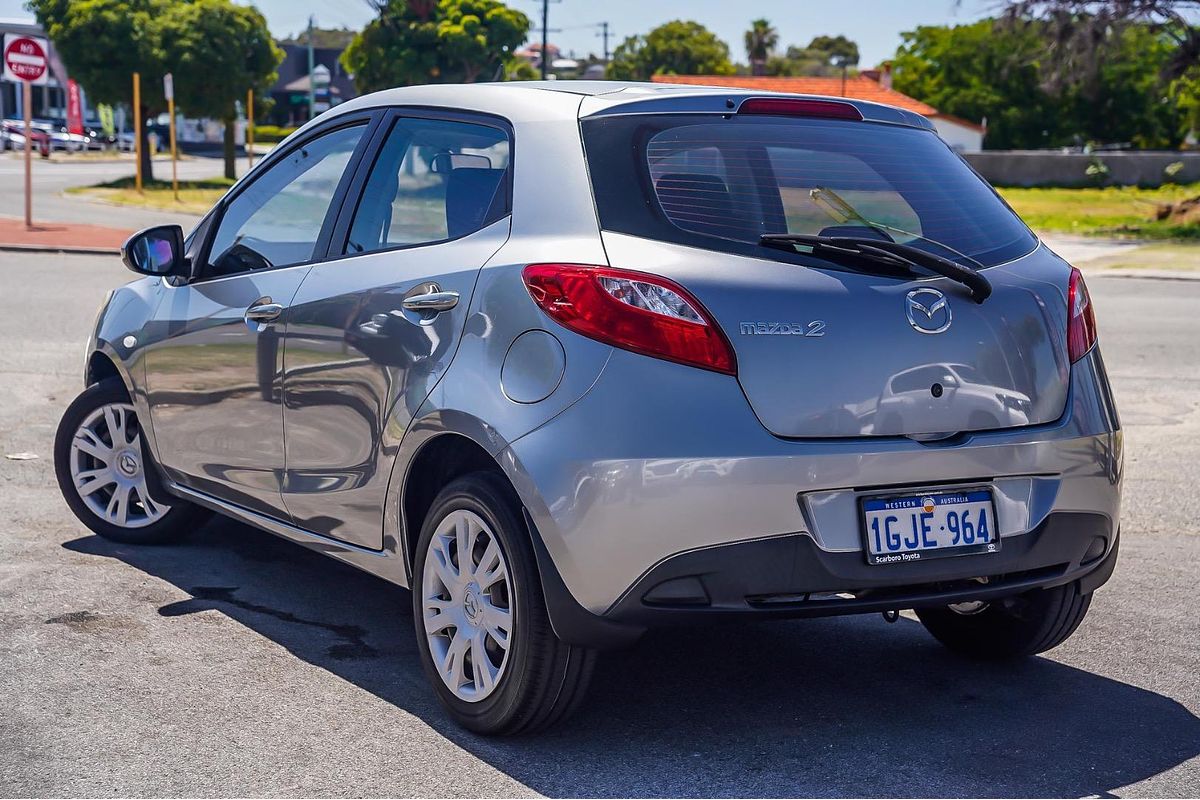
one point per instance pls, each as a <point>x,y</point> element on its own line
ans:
<point>446,445</point>
<point>439,460</point>
<point>101,366</point>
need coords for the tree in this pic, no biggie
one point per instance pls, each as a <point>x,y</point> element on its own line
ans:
<point>835,48</point>
<point>680,47</point>
<point>761,41</point>
<point>219,51</point>
<point>1082,35</point>
<point>476,35</point>
<point>330,38</point>
<point>973,71</point>
<point>984,70</point>
<point>423,41</point>
<point>103,42</point>
<point>817,59</point>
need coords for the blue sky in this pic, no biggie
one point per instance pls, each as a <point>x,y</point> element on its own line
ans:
<point>875,24</point>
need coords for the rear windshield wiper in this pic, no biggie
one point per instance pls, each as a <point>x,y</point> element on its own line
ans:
<point>892,254</point>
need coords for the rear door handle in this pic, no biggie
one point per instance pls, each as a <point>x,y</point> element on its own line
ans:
<point>263,312</point>
<point>431,302</point>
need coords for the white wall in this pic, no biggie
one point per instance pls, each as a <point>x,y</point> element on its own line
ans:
<point>958,136</point>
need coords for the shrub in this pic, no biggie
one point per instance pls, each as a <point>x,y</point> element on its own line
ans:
<point>271,134</point>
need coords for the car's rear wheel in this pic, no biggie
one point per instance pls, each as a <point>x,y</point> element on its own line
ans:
<point>103,473</point>
<point>1019,626</point>
<point>482,628</point>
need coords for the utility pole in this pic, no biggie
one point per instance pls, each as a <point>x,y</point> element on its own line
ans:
<point>545,39</point>
<point>312,93</point>
<point>604,34</point>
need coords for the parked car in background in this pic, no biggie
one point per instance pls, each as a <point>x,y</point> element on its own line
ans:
<point>12,136</point>
<point>574,360</point>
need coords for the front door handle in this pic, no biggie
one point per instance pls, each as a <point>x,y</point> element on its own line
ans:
<point>263,312</point>
<point>431,302</point>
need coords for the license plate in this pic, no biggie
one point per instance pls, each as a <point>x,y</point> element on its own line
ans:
<point>918,527</point>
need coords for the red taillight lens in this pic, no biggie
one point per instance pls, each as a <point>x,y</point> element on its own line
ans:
<point>1081,318</point>
<point>788,107</point>
<point>631,310</point>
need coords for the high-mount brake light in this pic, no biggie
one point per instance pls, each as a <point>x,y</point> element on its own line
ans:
<point>644,313</point>
<point>1081,317</point>
<point>789,107</point>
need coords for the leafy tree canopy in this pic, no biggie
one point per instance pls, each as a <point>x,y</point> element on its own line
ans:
<point>103,42</point>
<point>220,51</point>
<point>330,38</point>
<point>835,47</point>
<point>680,47</point>
<point>816,59</point>
<point>215,49</point>
<point>987,71</point>
<point>448,41</point>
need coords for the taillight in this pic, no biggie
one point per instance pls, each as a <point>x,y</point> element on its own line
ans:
<point>798,107</point>
<point>631,310</point>
<point>1081,318</point>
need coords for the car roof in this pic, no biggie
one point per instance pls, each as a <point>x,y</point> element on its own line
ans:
<point>579,99</point>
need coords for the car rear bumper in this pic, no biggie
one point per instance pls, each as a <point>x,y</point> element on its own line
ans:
<point>676,504</point>
<point>789,576</point>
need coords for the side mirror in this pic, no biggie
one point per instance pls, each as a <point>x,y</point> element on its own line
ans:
<point>156,251</point>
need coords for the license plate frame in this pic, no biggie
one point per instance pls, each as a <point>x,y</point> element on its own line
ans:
<point>906,556</point>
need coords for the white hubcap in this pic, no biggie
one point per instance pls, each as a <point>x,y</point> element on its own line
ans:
<point>107,468</point>
<point>467,605</point>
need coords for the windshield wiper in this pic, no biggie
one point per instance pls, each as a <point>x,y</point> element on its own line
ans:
<point>838,208</point>
<point>892,254</point>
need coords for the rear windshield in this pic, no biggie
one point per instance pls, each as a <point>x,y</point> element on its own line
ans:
<point>721,183</point>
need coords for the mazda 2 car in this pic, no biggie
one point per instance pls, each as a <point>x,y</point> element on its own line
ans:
<point>572,361</point>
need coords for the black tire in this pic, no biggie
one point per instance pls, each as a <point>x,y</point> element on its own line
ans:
<point>181,519</point>
<point>1016,627</point>
<point>544,679</point>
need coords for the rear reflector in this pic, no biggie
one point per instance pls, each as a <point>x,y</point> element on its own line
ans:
<point>1081,318</point>
<point>788,107</point>
<point>644,313</point>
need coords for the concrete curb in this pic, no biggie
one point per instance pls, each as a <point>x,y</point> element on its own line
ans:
<point>1144,274</point>
<point>67,249</point>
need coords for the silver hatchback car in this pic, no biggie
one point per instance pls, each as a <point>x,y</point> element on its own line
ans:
<point>575,360</point>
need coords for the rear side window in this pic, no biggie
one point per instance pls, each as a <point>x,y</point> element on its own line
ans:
<point>722,182</point>
<point>433,180</point>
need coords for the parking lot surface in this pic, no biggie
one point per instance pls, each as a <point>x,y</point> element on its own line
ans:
<point>237,664</point>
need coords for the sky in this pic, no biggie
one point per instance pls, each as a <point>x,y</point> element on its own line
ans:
<point>875,24</point>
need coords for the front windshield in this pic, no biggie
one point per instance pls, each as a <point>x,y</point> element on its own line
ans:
<point>739,178</point>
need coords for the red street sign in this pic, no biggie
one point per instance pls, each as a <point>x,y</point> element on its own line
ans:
<point>25,59</point>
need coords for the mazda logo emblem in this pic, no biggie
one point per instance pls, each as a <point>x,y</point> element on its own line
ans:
<point>928,310</point>
<point>127,463</point>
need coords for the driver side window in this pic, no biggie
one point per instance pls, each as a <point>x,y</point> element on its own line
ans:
<point>277,220</point>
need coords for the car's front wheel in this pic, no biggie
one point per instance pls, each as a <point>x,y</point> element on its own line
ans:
<point>482,627</point>
<point>1024,625</point>
<point>103,473</point>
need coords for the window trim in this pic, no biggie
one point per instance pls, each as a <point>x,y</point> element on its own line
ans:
<point>340,234</point>
<point>368,119</point>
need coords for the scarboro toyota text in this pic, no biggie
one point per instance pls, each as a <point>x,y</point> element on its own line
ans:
<point>572,360</point>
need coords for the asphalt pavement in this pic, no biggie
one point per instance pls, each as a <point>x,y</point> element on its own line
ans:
<point>52,177</point>
<point>238,664</point>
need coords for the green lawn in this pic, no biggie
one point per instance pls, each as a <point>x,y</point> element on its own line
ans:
<point>1116,211</point>
<point>195,197</point>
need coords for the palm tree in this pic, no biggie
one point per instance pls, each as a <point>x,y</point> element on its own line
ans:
<point>760,43</point>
